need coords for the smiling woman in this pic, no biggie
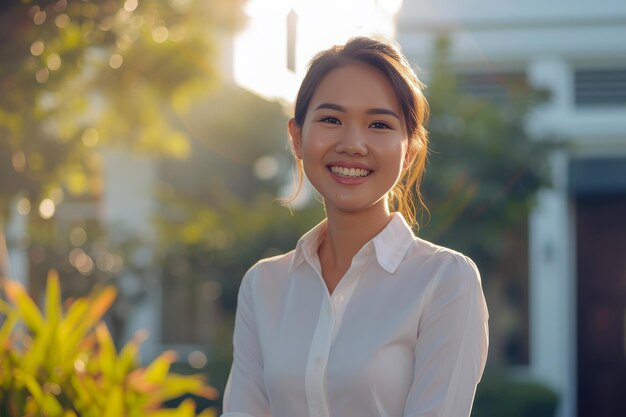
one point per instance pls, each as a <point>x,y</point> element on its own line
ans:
<point>362,318</point>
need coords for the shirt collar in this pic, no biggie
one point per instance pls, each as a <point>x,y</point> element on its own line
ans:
<point>391,244</point>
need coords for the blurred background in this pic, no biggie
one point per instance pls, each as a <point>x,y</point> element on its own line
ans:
<point>143,144</point>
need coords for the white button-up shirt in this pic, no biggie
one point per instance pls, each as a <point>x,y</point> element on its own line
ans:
<point>404,334</point>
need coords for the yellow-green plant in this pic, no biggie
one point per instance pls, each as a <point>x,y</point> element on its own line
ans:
<point>60,363</point>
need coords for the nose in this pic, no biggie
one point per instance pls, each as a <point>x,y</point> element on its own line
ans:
<point>352,142</point>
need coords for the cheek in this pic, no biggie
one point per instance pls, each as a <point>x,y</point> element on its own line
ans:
<point>394,151</point>
<point>315,142</point>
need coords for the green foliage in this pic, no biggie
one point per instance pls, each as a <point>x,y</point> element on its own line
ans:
<point>484,166</point>
<point>230,130</point>
<point>499,396</point>
<point>65,364</point>
<point>76,74</point>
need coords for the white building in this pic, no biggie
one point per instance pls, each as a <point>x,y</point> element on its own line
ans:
<point>577,51</point>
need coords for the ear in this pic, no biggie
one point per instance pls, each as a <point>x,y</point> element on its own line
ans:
<point>295,133</point>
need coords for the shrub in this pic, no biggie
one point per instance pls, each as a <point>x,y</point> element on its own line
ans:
<point>65,364</point>
<point>499,396</point>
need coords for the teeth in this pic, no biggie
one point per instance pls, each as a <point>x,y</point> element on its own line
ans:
<point>350,172</point>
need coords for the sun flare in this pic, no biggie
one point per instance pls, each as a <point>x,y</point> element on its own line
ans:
<point>261,49</point>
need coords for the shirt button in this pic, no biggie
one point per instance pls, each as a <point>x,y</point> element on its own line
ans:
<point>318,361</point>
<point>340,299</point>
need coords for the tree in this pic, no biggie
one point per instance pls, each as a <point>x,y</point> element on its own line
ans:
<point>483,172</point>
<point>77,74</point>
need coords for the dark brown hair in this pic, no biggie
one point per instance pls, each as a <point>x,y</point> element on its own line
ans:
<point>387,58</point>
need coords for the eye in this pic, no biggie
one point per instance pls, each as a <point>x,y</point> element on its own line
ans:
<point>380,125</point>
<point>330,119</point>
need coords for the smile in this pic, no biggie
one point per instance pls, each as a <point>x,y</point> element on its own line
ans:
<point>350,172</point>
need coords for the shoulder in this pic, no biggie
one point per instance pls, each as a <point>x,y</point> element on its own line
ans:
<point>275,268</point>
<point>442,264</point>
<point>454,277</point>
<point>265,284</point>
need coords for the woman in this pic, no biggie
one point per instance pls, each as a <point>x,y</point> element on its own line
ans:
<point>362,318</point>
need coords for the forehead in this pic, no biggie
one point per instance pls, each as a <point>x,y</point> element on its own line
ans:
<point>356,86</point>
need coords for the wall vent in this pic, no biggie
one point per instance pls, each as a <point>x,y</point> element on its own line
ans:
<point>600,87</point>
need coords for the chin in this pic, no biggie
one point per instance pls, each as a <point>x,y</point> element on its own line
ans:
<point>351,206</point>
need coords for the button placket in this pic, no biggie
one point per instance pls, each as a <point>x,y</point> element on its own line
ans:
<point>344,291</point>
<point>329,321</point>
<point>318,359</point>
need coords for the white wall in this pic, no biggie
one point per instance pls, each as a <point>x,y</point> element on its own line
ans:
<point>491,32</point>
<point>128,207</point>
<point>552,290</point>
<point>439,11</point>
<point>16,231</point>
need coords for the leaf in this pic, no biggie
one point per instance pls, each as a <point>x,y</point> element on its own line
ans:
<point>91,389</point>
<point>157,371</point>
<point>100,304</point>
<point>53,298</point>
<point>115,403</point>
<point>138,383</point>
<point>208,412</point>
<point>74,314</point>
<point>107,354</point>
<point>47,402</point>
<point>35,357</point>
<point>29,312</point>
<point>82,316</point>
<point>5,308</point>
<point>177,385</point>
<point>53,317</point>
<point>128,357</point>
<point>186,409</point>
<point>7,327</point>
<point>83,396</point>
<point>68,328</point>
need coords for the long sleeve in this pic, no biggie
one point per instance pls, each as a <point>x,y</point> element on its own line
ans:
<point>245,393</point>
<point>452,344</point>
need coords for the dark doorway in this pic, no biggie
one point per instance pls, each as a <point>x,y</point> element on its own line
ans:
<point>601,263</point>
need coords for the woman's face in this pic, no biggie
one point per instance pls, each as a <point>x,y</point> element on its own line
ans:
<point>353,142</point>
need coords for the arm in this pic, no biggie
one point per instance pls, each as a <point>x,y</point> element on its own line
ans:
<point>245,392</point>
<point>452,344</point>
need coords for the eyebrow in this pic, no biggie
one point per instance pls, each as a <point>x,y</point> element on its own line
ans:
<point>332,106</point>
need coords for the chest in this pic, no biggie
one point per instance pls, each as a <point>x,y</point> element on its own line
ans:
<point>355,344</point>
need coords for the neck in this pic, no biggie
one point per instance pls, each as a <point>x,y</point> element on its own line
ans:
<point>348,232</point>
